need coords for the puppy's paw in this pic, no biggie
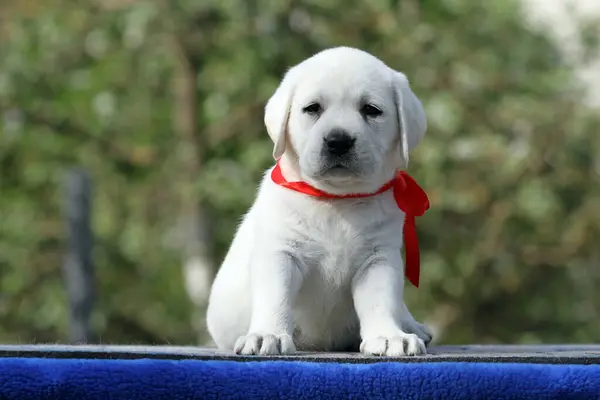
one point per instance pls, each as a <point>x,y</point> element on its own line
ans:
<point>256,344</point>
<point>424,333</point>
<point>401,345</point>
<point>421,330</point>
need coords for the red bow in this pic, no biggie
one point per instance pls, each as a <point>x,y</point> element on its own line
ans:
<point>409,196</point>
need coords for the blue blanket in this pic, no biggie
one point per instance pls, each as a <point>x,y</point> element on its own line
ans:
<point>145,379</point>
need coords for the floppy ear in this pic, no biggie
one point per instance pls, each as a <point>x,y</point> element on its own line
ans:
<point>277,112</point>
<point>411,116</point>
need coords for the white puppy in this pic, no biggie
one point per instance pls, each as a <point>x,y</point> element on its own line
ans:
<point>309,273</point>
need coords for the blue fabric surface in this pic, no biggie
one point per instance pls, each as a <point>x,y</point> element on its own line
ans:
<point>76,379</point>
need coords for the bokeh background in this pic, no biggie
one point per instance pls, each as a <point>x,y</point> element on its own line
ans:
<point>160,103</point>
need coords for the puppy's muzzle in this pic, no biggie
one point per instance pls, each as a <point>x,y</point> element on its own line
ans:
<point>338,142</point>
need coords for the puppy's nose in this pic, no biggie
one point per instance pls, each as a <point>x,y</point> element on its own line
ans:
<point>339,142</point>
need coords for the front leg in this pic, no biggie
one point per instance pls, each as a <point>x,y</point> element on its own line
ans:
<point>378,290</point>
<point>275,280</point>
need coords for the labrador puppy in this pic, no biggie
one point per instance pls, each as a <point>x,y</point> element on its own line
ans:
<point>308,273</point>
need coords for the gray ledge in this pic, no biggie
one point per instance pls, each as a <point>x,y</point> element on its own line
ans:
<point>543,354</point>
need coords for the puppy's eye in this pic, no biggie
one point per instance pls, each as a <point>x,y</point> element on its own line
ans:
<point>370,110</point>
<point>312,108</point>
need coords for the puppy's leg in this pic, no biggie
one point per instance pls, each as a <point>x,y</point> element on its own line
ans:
<point>377,291</point>
<point>275,282</point>
<point>410,325</point>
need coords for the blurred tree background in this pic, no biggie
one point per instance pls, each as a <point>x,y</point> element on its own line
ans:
<point>161,101</point>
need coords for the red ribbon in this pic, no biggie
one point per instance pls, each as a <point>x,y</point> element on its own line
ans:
<point>409,196</point>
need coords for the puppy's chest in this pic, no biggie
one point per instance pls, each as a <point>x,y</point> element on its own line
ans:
<point>335,254</point>
<point>332,243</point>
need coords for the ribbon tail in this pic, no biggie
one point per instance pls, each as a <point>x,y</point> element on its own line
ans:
<point>411,249</point>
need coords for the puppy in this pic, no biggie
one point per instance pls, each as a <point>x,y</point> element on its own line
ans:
<point>311,273</point>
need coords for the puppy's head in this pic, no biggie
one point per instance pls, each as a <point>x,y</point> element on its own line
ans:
<point>347,120</point>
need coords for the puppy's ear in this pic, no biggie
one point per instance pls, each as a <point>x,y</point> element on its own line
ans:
<point>277,112</point>
<point>411,116</point>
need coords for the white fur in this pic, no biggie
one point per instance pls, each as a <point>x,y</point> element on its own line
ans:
<point>315,274</point>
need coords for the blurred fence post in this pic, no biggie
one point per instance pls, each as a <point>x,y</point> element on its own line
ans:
<point>78,267</point>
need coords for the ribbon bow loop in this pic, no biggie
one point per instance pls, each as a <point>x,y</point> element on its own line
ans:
<point>409,196</point>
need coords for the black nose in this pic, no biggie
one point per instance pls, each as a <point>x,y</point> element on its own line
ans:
<point>339,142</point>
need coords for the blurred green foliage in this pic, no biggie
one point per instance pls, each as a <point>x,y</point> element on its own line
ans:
<point>510,246</point>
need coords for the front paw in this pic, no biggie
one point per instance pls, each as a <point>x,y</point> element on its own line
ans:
<point>401,345</point>
<point>257,344</point>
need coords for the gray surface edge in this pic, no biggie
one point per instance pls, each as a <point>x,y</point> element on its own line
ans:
<point>538,354</point>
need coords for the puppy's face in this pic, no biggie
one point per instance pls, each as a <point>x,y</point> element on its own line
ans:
<point>347,119</point>
<point>343,121</point>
